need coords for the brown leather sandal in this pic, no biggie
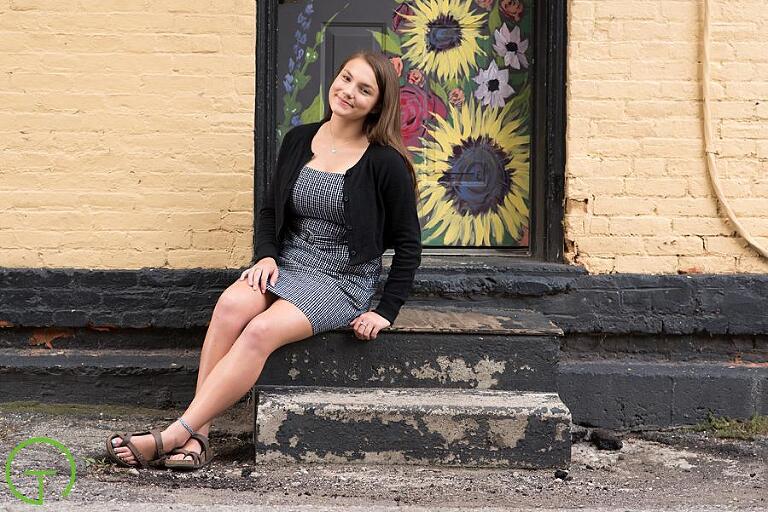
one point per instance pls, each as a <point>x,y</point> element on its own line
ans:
<point>198,459</point>
<point>141,461</point>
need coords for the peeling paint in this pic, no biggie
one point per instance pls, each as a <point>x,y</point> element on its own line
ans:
<point>449,428</point>
<point>483,375</point>
<point>269,421</point>
<point>45,336</point>
<point>388,457</point>
<point>561,430</point>
<point>469,428</point>
<point>379,375</point>
<point>507,432</point>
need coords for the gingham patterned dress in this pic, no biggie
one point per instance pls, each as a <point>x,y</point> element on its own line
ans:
<point>315,274</point>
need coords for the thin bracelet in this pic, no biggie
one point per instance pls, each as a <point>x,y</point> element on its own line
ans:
<point>184,424</point>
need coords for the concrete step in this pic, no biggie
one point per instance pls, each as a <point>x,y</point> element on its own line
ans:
<point>429,346</point>
<point>628,394</point>
<point>452,427</point>
<point>433,345</point>
<point>151,378</point>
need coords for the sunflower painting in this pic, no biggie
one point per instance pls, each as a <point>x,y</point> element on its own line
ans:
<point>474,177</point>
<point>465,70</point>
<point>465,103</point>
<point>441,37</point>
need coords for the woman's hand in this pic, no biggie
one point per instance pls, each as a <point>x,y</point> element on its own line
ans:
<point>368,325</point>
<point>260,272</point>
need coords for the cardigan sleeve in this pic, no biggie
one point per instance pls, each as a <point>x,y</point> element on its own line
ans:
<point>266,237</point>
<point>402,231</point>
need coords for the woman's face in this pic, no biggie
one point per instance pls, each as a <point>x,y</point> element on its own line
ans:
<point>354,92</point>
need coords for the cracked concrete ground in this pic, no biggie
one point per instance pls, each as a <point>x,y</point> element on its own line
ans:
<point>654,470</point>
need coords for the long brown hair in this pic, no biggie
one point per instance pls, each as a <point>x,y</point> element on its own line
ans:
<point>382,124</point>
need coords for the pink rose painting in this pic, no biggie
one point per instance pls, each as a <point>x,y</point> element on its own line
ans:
<point>416,107</point>
<point>416,78</point>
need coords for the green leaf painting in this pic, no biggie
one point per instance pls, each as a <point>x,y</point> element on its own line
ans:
<point>315,111</point>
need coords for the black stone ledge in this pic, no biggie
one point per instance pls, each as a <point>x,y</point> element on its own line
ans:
<point>727,304</point>
<point>643,394</point>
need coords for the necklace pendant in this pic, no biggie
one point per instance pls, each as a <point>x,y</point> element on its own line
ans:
<point>333,150</point>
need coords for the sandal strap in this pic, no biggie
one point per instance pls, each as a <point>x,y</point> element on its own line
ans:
<point>158,443</point>
<point>180,451</point>
<point>203,440</point>
<point>126,438</point>
<point>186,453</point>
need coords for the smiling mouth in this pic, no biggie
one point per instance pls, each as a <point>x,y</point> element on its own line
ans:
<point>344,102</point>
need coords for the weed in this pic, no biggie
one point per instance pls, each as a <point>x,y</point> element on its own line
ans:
<point>724,427</point>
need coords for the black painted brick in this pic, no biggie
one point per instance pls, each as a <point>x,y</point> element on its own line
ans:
<point>628,394</point>
<point>577,302</point>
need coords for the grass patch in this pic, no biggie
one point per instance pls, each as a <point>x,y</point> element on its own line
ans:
<point>756,426</point>
<point>114,411</point>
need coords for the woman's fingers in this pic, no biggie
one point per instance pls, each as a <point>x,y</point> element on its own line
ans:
<point>263,281</point>
<point>360,330</point>
<point>364,329</point>
<point>275,273</point>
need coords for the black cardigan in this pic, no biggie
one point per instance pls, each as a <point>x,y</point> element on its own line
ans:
<point>379,207</point>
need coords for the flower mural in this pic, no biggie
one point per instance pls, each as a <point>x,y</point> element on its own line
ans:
<point>493,86</point>
<point>510,47</point>
<point>416,107</point>
<point>513,9</point>
<point>465,98</point>
<point>297,78</point>
<point>472,150</point>
<point>441,36</point>
<point>474,177</point>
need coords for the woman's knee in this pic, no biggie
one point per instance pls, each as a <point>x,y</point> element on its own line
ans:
<point>256,337</point>
<point>233,306</point>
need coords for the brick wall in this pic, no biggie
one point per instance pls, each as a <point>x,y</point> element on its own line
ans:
<point>638,195</point>
<point>126,133</point>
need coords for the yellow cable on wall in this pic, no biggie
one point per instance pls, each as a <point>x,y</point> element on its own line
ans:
<point>710,152</point>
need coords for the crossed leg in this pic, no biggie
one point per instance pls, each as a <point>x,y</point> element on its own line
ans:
<point>236,371</point>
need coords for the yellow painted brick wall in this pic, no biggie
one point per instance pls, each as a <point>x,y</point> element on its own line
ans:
<point>638,195</point>
<point>126,133</point>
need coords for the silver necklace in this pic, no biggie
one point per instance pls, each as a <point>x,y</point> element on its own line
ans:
<point>334,149</point>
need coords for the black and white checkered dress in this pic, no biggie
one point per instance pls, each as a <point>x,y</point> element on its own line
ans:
<point>315,273</point>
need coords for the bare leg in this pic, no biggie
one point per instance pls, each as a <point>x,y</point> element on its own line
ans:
<point>236,306</point>
<point>240,368</point>
<point>237,371</point>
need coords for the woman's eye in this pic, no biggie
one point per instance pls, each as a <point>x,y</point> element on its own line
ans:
<point>366,92</point>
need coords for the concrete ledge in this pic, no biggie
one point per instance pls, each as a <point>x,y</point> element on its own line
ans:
<point>627,394</point>
<point>470,428</point>
<point>484,348</point>
<point>602,304</point>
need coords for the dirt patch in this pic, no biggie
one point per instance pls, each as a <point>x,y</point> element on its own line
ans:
<point>652,469</point>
